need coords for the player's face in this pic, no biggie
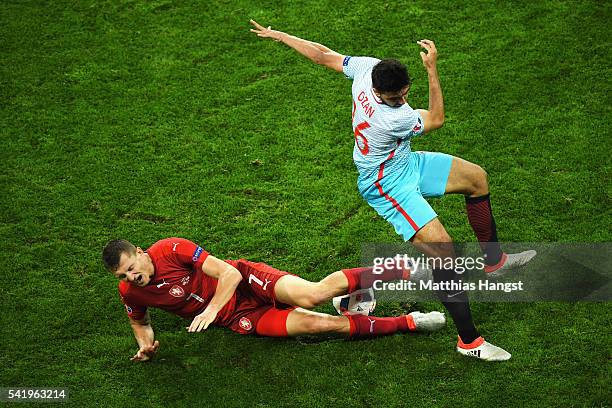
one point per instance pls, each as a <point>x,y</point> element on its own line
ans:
<point>394,99</point>
<point>136,268</point>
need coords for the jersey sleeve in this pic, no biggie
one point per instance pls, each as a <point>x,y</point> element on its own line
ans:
<point>188,254</point>
<point>354,67</point>
<point>134,310</point>
<point>410,125</point>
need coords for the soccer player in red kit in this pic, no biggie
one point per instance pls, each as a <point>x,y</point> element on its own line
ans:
<point>178,276</point>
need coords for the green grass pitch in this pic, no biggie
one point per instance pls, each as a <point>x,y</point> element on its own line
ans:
<point>147,119</point>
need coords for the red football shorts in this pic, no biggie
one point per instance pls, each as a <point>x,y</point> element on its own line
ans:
<point>257,310</point>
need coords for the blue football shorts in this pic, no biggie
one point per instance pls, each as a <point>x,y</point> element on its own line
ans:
<point>399,195</point>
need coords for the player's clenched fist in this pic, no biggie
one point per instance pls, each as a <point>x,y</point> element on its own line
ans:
<point>429,58</point>
<point>146,352</point>
<point>265,32</point>
<point>202,321</point>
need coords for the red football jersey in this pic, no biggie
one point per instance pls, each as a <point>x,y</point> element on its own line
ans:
<point>178,286</point>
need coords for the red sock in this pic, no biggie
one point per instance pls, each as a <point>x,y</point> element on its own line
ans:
<point>481,219</point>
<point>363,278</point>
<point>370,326</point>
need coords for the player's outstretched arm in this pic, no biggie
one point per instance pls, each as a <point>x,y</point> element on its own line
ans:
<point>433,118</point>
<point>143,332</point>
<point>228,279</point>
<point>317,53</point>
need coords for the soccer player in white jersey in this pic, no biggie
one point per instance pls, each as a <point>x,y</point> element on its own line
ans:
<point>395,181</point>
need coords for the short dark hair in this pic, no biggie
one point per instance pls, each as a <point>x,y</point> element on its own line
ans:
<point>111,255</point>
<point>390,75</point>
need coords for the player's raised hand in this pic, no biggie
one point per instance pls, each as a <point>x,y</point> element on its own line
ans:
<point>146,352</point>
<point>429,58</point>
<point>264,32</point>
<point>202,321</point>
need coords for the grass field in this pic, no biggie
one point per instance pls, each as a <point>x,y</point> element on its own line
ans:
<point>147,119</point>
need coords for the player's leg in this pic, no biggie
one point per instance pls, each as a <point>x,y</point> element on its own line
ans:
<point>275,286</point>
<point>273,322</point>
<point>296,291</point>
<point>434,241</point>
<point>466,178</point>
<point>293,290</point>
<point>444,174</point>
<point>402,204</point>
<point>302,322</point>
<point>470,180</point>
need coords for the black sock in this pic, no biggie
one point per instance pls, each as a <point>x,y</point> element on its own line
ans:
<point>457,303</point>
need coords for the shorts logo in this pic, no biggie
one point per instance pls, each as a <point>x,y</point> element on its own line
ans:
<point>371,325</point>
<point>129,309</point>
<point>197,253</point>
<point>176,291</point>
<point>245,324</point>
<point>345,61</point>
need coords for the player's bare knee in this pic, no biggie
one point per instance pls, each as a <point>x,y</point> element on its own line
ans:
<point>321,292</point>
<point>480,184</point>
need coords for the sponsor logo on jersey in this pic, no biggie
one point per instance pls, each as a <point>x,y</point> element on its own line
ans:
<point>176,291</point>
<point>174,245</point>
<point>185,280</point>
<point>345,61</point>
<point>245,324</point>
<point>197,253</point>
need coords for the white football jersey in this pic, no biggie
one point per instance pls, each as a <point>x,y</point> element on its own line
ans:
<point>382,133</point>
